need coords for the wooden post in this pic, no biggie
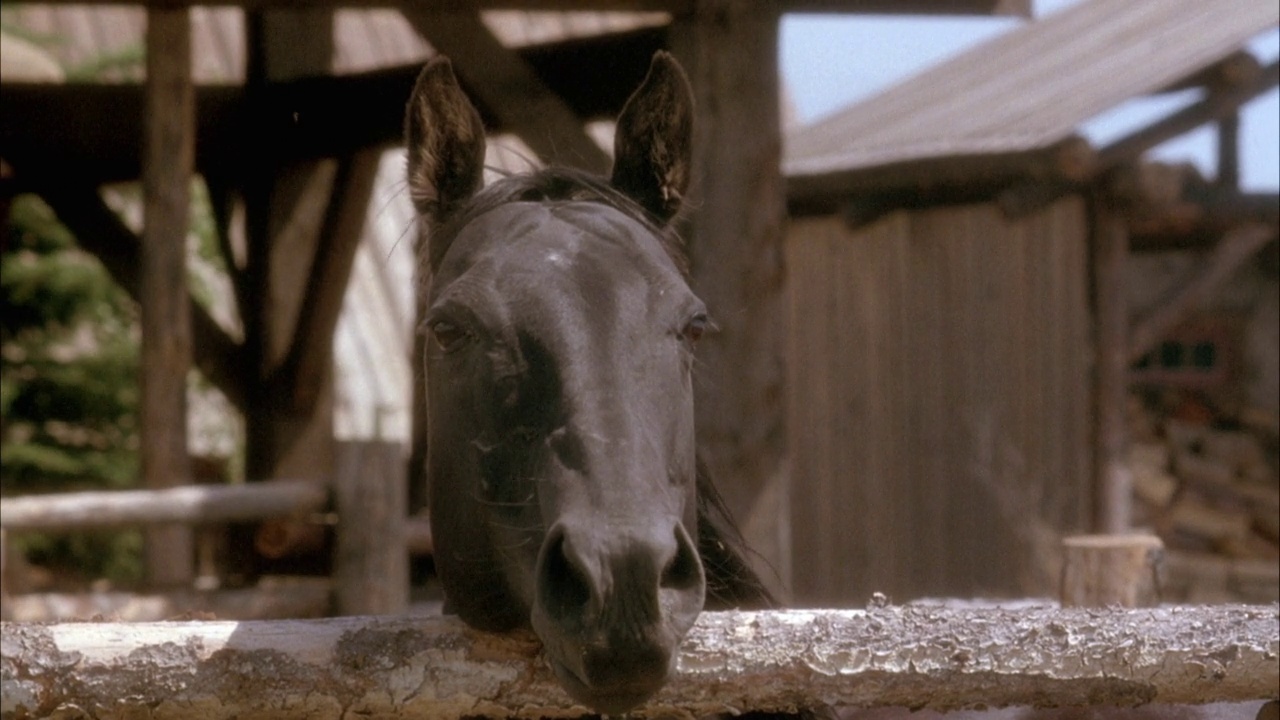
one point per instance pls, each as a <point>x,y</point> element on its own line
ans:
<point>737,209</point>
<point>287,205</point>
<point>1104,570</point>
<point>1110,260</point>
<point>371,560</point>
<point>169,155</point>
<point>1229,152</point>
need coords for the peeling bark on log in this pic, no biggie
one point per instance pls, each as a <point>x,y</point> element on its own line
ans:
<point>919,657</point>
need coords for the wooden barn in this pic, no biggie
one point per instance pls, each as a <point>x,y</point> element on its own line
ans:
<point>254,100</point>
<point>962,274</point>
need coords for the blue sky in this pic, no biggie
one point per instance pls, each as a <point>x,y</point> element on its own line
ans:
<point>831,61</point>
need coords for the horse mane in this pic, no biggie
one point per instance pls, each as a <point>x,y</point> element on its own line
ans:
<point>731,582</point>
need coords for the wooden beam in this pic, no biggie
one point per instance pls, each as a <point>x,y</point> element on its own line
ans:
<point>1229,152</point>
<point>1018,8</point>
<point>1215,106</point>
<point>1113,513</point>
<point>506,84</point>
<point>1232,251</point>
<point>102,233</point>
<point>168,165</point>
<point>304,369</point>
<point>1202,219</point>
<point>435,667</point>
<point>98,127</point>
<point>1235,69</point>
<point>286,203</point>
<point>1063,164</point>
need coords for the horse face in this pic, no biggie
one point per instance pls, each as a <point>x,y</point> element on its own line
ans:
<point>561,440</point>
<point>559,371</point>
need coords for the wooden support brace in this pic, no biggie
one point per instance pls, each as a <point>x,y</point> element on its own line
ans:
<point>1232,251</point>
<point>919,657</point>
<point>305,366</point>
<point>1219,104</point>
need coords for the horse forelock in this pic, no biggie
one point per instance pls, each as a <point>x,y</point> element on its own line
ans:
<point>552,185</point>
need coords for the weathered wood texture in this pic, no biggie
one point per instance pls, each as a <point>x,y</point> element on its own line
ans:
<point>191,504</point>
<point>168,161</point>
<point>371,560</point>
<point>940,431</point>
<point>435,667</point>
<point>1104,570</point>
<point>737,207</point>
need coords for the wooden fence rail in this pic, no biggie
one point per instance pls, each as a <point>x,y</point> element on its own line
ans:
<point>919,657</point>
<point>367,493</point>
<point>189,504</point>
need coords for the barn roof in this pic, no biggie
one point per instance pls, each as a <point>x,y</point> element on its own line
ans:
<point>1032,88</point>
<point>105,42</point>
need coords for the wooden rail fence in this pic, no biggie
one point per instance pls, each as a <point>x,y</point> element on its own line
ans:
<point>373,535</point>
<point>892,656</point>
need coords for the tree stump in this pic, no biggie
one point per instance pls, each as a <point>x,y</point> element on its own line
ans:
<point>1101,570</point>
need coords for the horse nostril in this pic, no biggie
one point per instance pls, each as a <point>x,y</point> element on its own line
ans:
<point>683,571</point>
<point>563,585</point>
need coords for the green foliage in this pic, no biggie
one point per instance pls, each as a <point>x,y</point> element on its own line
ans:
<point>68,384</point>
<point>128,62</point>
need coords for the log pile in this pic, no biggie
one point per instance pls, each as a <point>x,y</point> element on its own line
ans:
<point>1208,484</point>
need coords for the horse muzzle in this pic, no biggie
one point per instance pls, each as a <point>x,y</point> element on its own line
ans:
<point>612,607</point>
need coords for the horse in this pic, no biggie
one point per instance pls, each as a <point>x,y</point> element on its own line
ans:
<point>564,488</point>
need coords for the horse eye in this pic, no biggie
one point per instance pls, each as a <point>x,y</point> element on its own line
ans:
<point>696,328</point>
<point>450,336</point>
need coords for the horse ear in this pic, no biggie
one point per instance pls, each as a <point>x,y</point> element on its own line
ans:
<point>445,140</point>
<point>653,145</point>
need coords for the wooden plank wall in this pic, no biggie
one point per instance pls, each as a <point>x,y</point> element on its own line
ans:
<point>940,405</point>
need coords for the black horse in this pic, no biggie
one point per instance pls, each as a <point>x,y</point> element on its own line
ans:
<point>565,493</point>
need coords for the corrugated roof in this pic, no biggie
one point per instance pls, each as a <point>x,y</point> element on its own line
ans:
<point>1032,87</point>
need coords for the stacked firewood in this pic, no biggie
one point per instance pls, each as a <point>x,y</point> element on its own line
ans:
<point>1209,485</point>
